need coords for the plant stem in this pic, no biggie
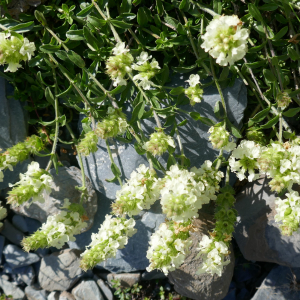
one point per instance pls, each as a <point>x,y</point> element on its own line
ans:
<point>158,123</point>
<point>180,145</point>
<point>83,193</point>
<point>227,175</point>
<point>56,124</point>
<point>204,8</point>
<point>112,160</point>
<point>217,83</point>
<point>280,124</point>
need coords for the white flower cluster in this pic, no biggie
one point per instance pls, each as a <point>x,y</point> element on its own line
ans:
<point>13,50</point>
<point>225,39</point>
<point>183,193</point>
<point>3,214</point>
<point>33,184</point>
<point>194,92</point>
<point>113,235</point>
<point>288,212</point>
<point>58,229</point>
<point>139,192</point>
<point>168,247</point>
<point>147,70</point>
<point>245,158</point>
<point>214,254</point>
<point>8,163</point>
<point>219,137</point>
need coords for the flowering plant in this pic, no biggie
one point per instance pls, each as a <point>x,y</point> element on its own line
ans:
<point>111,61</point>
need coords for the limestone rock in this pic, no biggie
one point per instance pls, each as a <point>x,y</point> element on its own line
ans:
<point>53,296</point>
<point>155,274</point>
<point>17,258</point>
<point>13,129</point>
<point>204,286</point>
<point>87,290</point>
<point>33,294</point>
<point>10,289</point>
<point>126,279</point>
<point>20,223</point>
<point>194,137</point>
<point>280,284</point>
<point>26,274</point>
<point>63,186</point>
<point>12,233</point>
<point>256,232</point>
<point>66,296</point>
<point>60,270</point>
<point>104,288</point>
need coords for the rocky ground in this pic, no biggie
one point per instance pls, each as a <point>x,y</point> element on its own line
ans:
<point>264,264</point>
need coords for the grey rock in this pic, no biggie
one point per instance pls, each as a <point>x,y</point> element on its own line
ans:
<point>87,290</point>
<point>10,289</point>
<point>13,129</point>
<point>33,294</point>
<point>194,138</point>
<point>17,258</point>
<point>63,186</point>
<point>155,274</point>
<point>60,270</point>
<point>126,279</point>
<point>66,296</point>
<point>20,223</point>
<point>26,274</point>
<point>104,288</point>
<point>12,233</point>
<point>5,277</point>
<point>256,232</point>
<point>2,242</point>
<point>42,252</point>
<point>204,286</point>
<point>32,224</point>
<point>53,296</point>
<point>280,284</point>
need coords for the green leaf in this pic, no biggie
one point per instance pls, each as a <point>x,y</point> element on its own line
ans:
<point>197,117</point>
<point>76,59</point>
<point>49,96</point>
<point>253,10</point>
<point>182,123</point>
<point>49,48</point>
<point>118,90</point>
<point>269,75</point>
<point>142,18</point>
<point>121,24</point>
<point>281,33</point>
<point>257,48</point>
<point>184,69</point>
<point>62,119</point>
<point>75,35</point>
<point>219,110</point>
<point>224,74</point>
<point>96,21</point>
<point>291,112</point>
<point>116,171</point>
<point>40,17</point>
<point>268,7</point>
<point>259,116</point>
<point>271,123</point>
<point>177,91</point>
<point>138,112</point>
<point>182,4</point>
<point>91,40</point>
<point>164,75</point>
<point>255,65</point>
<point>217,6</point>
<point>171,161</point>
<point>24,27</point>
<point>139,149</point>
<point>85,12</point>
<point>293,54</point>
<point>235,131</point>
<point>159,7</point>
<point>125,6</point>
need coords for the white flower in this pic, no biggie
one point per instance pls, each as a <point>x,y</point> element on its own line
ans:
<point>193,80</point>
<point>144,56</point>
<point>139,192</point>
<point>225,39</point>
<point>145,83</point>
<point>119,81</point>
<point>154,64</point>
<point>167,252</point>
<point>120,48</point>
<point>27,48</point>
<point>12,67</point>
<point>113,235</point>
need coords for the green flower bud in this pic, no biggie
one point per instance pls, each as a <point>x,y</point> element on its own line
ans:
<point>159,142</point>
<point>283,100</point>
<point>88,144</point>
<point>219,137</point>
<point>257,136</point>
<point>114,124</point>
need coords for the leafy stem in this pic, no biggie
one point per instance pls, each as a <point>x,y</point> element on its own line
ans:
<point>112,160</point>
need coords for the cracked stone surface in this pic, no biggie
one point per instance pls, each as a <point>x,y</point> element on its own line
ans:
<point>195,141</point>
